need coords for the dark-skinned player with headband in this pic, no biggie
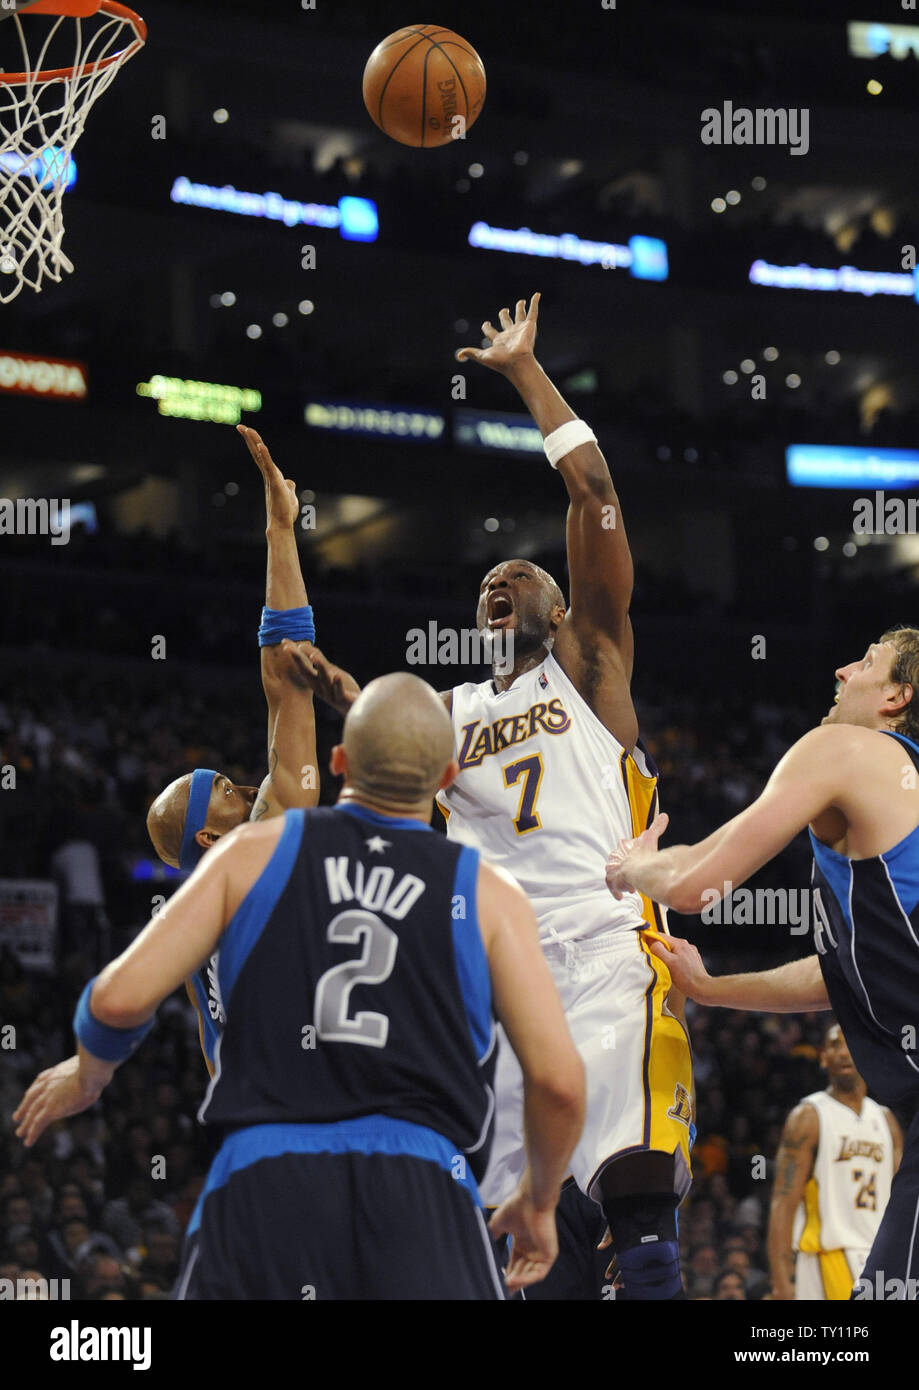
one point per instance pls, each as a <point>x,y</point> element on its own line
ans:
<point>191,815</point>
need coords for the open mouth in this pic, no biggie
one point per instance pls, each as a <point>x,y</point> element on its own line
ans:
<point>500,610</point>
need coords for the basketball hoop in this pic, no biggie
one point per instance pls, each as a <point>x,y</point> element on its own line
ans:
<point>43,110</point>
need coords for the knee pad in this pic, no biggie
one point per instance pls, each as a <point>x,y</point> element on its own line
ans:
<point>644,1236</point>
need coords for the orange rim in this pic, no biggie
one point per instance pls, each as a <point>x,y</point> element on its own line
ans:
<point>109,7</point>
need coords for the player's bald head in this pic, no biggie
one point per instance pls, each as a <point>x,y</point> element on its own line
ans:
<point>398,740</point>
<point>166,819</point>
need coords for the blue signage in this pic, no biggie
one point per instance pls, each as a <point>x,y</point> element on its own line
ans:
<point>829,465</point>
<point>357,219</point>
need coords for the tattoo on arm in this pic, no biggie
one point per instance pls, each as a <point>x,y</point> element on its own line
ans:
<point>797,1147</point>
<point>261,807</point>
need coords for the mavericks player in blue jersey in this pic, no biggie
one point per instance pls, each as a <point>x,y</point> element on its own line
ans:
<point>359,957</point>
<point>193,812</point>
<point>854,782</point>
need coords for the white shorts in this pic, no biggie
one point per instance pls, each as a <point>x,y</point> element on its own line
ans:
<point>828,1276</point>
<point>636,1058</point>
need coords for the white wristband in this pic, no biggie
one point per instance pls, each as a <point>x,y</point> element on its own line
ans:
<point>567,437</point>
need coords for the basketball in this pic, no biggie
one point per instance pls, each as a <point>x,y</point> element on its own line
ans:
<point>419,80</point>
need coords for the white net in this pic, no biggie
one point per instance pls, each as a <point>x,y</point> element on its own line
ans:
<point>40,122</point>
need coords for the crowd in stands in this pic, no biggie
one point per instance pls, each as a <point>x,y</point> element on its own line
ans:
<point>103,1200</point>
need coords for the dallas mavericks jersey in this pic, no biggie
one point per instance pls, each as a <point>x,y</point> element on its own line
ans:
<point>355,982</point>
<point>847,1193</point>
<point>204,983</point>
<point>866,930</point>
<point>546,791</point>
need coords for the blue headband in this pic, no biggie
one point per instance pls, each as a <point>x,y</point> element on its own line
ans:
<point>202,784</point>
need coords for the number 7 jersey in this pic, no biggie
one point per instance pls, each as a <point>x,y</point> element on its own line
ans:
<point>546,791</point>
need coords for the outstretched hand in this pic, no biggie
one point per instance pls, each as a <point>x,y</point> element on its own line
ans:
<point>55,1094</point>
<point>512,345</point>
<point>682,959</point>
<point>622,859</point>
<point>282,505</point>
<point>307,667</point>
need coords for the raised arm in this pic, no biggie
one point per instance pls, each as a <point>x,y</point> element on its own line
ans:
<point>793,1166</point>
<point>599,560</point>
<point>291,717</point>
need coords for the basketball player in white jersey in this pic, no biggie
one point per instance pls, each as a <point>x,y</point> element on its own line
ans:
<point>835,1164</point>
<point>551,766</point>
<point>551,774</point>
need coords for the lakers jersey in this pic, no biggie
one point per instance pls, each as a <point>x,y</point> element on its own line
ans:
<point>545,791</point>
<point>848,1190</point>
<point>866,931</point>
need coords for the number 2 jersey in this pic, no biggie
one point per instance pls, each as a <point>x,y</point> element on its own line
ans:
<point>546,791</point>
<point>354,982</point>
